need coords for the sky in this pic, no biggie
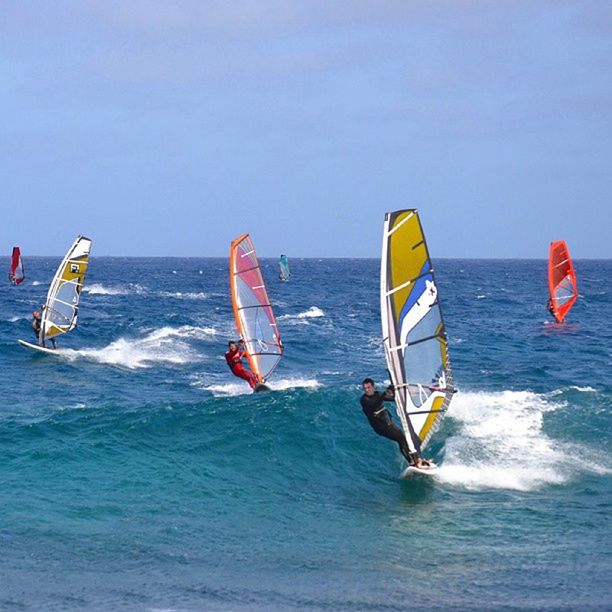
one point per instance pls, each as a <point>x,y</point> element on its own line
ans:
<point>163,128</point>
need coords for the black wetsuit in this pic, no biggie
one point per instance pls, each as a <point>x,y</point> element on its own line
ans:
<point>36,323</point>
<point>380,420</point>
<point>36,326</point>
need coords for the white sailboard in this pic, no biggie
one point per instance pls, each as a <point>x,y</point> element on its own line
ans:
<point>414,336</point>
<point>61,308</point>
<point>37,347</point>
<point>413,470</point>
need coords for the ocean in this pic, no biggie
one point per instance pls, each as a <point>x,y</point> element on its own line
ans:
<point>137,473</point>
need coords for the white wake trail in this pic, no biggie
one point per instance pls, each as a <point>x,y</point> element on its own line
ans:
<point>501,443</point>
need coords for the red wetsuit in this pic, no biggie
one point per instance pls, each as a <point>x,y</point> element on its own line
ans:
<point>233,359</point>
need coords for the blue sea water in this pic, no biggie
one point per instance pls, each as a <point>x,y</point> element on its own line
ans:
<point>137,474</point>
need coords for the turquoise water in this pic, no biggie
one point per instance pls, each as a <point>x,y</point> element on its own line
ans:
<point>137,473</point>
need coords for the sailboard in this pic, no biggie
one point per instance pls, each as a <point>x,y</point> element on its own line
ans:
<point>37,347</point>
<point>253,311</point>
<point>16,270</point>
<point>61,308</point>
<point>413,470</point>
<point>561,280</point>
<point>414,335</point>
<point>283,268</point>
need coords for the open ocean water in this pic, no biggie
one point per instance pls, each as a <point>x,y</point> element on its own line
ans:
<point>137,474</point>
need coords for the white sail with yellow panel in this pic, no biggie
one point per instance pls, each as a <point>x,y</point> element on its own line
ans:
<point>414,336</point>
<point>61,308</point>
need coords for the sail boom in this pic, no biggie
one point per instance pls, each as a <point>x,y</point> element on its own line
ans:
<point>255,306</point>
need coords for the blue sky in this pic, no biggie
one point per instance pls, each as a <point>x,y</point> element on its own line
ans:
<point>168,128</point>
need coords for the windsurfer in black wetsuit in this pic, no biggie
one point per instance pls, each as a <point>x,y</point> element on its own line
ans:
<point>380,419</point>
<point>36,323</point>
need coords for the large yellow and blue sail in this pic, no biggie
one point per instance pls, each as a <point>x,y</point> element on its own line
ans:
<point>414,336</point>
<point>61,308</point>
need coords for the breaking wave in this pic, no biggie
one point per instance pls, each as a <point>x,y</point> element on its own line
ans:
<point>242,388</point>
<point>189,295</point>
<point>501,443</point>
<point>312,313</point>
<point>164,345</point>
<point>99,289</point>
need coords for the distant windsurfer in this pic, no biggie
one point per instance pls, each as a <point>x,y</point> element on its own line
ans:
<point>380,419</point>
<point>551,308</point>
<point>36,324</point>
<point>234,361</point>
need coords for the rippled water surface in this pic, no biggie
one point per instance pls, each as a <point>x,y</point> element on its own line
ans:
<point>137,473</point>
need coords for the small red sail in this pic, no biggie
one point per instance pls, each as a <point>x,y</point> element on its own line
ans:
<point>561,280</point>
<point>17,271</point>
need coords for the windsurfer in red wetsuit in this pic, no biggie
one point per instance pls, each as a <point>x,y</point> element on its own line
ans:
<point>234,361</point>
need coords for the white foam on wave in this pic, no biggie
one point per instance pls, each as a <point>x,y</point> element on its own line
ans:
<point>188,295</point>
<point>163,345</point>
<point>242,388</point>
<point>294,383</point>
<point>313,312</point>
<point>36,283</point>
<point>572,388</point>
<point>501,443</point>
<point>226,390</point>
<point>76,406</point>
<point>99,289</point>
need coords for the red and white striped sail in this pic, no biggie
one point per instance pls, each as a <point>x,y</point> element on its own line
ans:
<point>16,271</point>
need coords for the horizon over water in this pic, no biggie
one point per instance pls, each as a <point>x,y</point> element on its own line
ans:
<point>138,474</point>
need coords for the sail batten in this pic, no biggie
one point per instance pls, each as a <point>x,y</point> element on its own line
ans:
<point>396,227</point>
<point>60,312</point>
<point>253,311</point>
<point>415,341</point>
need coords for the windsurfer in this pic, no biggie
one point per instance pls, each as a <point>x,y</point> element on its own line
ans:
<point>36,323</point>
<point>234,361</point>
<point>380,419</point>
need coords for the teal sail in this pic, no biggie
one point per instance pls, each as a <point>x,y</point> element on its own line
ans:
<point>283,268</point>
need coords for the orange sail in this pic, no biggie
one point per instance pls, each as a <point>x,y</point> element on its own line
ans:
<point>252,309</point>
<point>561,280</point>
